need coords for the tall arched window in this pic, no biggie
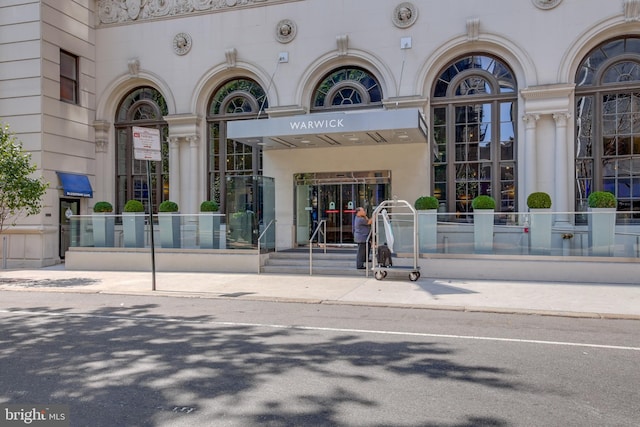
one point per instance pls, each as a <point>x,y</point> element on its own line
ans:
<point>608,125</point>
<point>143,107</point>
<point>346,87</point>
<point>238,99</point>
<point>474,127</point>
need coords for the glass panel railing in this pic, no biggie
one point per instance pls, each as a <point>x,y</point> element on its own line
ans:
<point>186,231</point>
<point>527,233</point>
<point>520,233</point>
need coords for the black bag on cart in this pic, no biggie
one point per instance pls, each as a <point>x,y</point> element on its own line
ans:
<point>384,256</point>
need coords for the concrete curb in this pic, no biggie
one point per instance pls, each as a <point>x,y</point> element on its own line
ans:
<point>468,309</point>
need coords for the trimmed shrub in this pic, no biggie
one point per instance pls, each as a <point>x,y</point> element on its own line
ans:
<point>102,207</point>
<point>168,206</point>
<point>539,200</point>
<point>602,199</point>
<point>483,202</point>
<point>426,202</point>
<point>209,206</point>
<point>133,206</point>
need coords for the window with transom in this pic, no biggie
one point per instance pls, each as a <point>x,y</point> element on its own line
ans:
<point>237,99</point>
<point>347,87</point>
<point>608,125</point>
<point>474,129</point>
<point>144,107</point>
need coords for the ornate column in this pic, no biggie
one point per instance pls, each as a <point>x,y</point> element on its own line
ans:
<point>174,169</point>
<point>183,161</point>
<point>531,157</point>
<point>193,174</point>
<point>101,147</point>
<point>561,167</point>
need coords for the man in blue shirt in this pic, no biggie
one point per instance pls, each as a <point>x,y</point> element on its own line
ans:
<point>361,227</point>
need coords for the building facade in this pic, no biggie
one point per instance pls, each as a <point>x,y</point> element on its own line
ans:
<point>344,103</point>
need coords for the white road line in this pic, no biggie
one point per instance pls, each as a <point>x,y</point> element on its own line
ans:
<point>317,328</point>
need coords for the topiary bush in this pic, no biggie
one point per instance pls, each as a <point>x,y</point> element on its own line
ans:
<point>539,200</point>
<point>602,199</point>
<point>133,206</point>
<point>209,206</point>
<point>483,202</point>
<point>168,206</point>
<point>426,202</point>
<point>102,207</point>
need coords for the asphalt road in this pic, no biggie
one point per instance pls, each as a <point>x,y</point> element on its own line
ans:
<point>159,361</point>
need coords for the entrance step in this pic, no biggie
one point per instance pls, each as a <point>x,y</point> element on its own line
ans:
<point>340,262</point>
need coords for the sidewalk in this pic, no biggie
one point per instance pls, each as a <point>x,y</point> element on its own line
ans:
<point>544,298</point>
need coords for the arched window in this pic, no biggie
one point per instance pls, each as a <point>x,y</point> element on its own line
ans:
<point>238,99</point>
<point>143,107</point>
<point>474,128</point>
<point>608,125</point>
<point>346,87</point>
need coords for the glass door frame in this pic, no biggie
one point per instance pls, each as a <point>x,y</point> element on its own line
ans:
<point>352,189</point>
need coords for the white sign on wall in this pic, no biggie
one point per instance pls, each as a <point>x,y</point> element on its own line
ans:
<point>146,144</point>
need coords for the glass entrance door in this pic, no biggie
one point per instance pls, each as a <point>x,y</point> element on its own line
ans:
<point>68,230</point>
<point>334,197</point>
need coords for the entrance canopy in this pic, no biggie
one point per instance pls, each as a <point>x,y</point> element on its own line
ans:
<point>351,128</point>
<point>75,184</point>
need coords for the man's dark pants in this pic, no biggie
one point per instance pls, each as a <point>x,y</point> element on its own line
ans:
<point>362,254</point>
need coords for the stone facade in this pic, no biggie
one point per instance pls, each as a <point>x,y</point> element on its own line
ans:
<point>186,49</point>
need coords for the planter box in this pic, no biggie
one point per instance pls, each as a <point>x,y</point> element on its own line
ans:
<point>540,231</point>
<point>169,224</point>
<point>209,231</point>
<point>133,229</point>
<point>602,231</point>
<point>103,230</point>
<point>483,231</point>
<point>428,230</point>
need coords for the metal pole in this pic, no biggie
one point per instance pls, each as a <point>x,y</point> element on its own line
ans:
<point>4,252</point>
<point>153,246</point>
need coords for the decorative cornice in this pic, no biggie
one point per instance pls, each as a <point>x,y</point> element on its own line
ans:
<point>546,4</point>
<point>286,30</point>
<point>183,125</point>
<point>113,12</point>
<point>285,110</point>
<point>343,44</point>
<point>631,10</point>
<point>101,136</point>
<point>405,102</point>
<point>404,15</point>
<point>231,55</point>
<point>134,67</point>
<point>530,120</point>
<point>473,29</point>
<point>548,91</point>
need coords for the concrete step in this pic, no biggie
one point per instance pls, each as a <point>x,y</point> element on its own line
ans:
<point>341,262</point>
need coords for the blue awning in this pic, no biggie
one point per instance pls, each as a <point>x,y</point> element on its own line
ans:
<point>74,184</point>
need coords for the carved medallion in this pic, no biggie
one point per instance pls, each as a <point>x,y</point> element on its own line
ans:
<point>182,43</point>
<point>405,15</point>
<point>285,31</point>
<point>546,4</point>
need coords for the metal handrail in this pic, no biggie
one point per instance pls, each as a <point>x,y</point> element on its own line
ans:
<point>322,224</point>
<point>273,221</point>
